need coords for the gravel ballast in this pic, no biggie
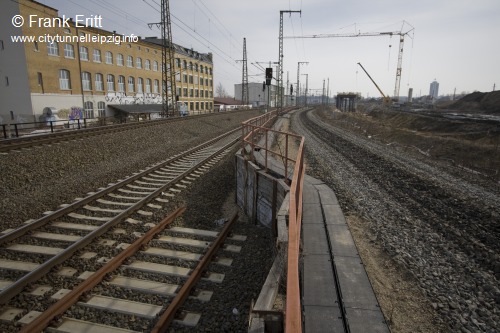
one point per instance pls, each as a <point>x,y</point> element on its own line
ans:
<point>442,231</point>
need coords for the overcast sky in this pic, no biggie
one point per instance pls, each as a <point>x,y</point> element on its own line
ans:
<point>455,42</point>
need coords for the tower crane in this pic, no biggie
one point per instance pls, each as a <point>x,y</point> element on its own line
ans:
<point>402,33</point>
<point>386,99</point>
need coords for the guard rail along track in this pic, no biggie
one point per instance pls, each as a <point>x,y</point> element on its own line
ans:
<point>91,216</point>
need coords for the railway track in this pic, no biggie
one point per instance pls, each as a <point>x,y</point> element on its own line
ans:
<point>25,142</point>
<point>156,317</point>
<point>84,235</point>
<point>441,230</point>
<point>421,195</point>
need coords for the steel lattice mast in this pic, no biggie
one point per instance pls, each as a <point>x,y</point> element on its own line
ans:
<point>298,82</point>
<point>244,79</point>
<point>167,55</point>
<point>279,75</point>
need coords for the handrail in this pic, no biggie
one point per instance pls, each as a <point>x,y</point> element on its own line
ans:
<point>252,130</point>
<point>293,318</point>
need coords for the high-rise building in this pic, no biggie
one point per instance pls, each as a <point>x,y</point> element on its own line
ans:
<point>434,90</point>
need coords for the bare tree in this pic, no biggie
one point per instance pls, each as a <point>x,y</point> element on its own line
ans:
<point>220,91</point>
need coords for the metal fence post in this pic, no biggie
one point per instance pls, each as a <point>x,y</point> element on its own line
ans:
<point>51,127</point>
<point>4,131</point>
<point>15,128</point>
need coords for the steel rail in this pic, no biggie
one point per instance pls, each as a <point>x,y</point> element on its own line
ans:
<point>12,290</point>
<point>41,139</point>
<point>168,316</point>
<point>16,233</point>
<point>44,319</point>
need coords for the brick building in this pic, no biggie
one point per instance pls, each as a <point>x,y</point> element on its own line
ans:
<point>77,73</point>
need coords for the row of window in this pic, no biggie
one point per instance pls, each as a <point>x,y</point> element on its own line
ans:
<point>151,86</point>
<point>88,108</point>
<point>69,52</point>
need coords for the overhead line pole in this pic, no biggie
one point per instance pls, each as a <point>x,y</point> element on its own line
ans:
<point>298,80</point>
<point>244,79</point>
<point>167,59</point>
<point>280,59</point>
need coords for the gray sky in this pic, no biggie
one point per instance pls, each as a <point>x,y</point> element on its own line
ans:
<point>455,42</point>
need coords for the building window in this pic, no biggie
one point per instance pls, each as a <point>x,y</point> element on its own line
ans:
<point>185,78</point>
<point>101,109</point>
<point>191,106</point>
<point>191,93</point>
<point>177,62</point>
<point>201,93</point>
<point>99,85</point>
<point>88,108</point>
<point>67,31</point>
<point>196,93</point>
<point>86,85</point>
<point>140,83</point>
<point>64,80</point>
<point>138,62</point>
<point>191,79</point>
<point>156,86</point>
<point>130,61</point>
<point>69,51</point>
<point>147,65</point>
<point>185,92</point>
<point>109,58</point>
<point>97,55</point>
<point>121,83</point>
<point>35,44</point>
<point>210,71</point>
<point>148,86</point>
<point>131,84</point>
<point>155,66</point>
<point>201,81</point>
<point>82,34</point>
<point>201,69</point>
<point>196,67</point>
<point>84,53</point>
<point>40,79</point>
<point>111,82</point>
<point>53,49</point>
<point>202,105</point>
<point>119,59</point>
<point>197,105</point>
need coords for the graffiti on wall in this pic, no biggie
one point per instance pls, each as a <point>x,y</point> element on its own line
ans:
<point>122,98</point>
<point>75,113</point>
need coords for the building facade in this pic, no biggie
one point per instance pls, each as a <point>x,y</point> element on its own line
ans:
<point>434,89</point>
<point>80,75</point>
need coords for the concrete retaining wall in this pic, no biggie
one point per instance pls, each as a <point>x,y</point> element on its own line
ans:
<point>259,194</point>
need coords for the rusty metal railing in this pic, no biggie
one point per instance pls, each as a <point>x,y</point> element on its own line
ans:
<point>256,135</point>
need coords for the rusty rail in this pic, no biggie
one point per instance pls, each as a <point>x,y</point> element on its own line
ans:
<point>57,309</point>
<point>168,316</point>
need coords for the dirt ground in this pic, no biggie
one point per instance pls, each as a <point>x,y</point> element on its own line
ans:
<point>469,144</point>
<point>404,306</point>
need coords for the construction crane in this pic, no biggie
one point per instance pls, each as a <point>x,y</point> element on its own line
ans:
<point>386,99</point>
<point>402,33</point>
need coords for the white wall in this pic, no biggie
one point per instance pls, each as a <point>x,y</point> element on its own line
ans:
<point>16,96</point>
